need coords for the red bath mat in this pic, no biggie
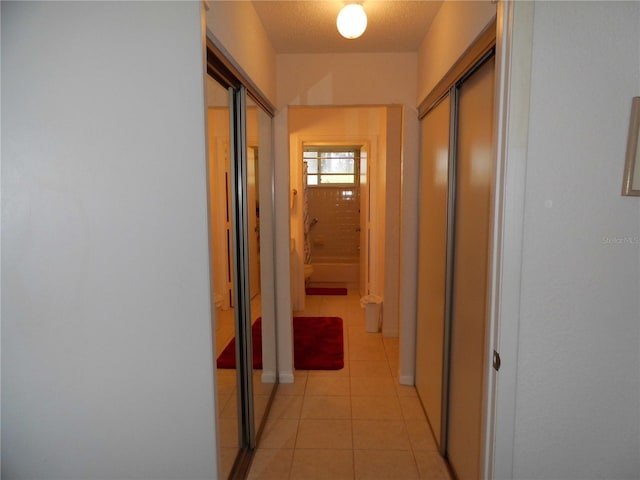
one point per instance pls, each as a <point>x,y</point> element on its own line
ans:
<point>317,345</point>
<point>326,291</point>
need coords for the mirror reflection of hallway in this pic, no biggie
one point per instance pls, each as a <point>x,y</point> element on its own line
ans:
<point>235,179</point>
<point>221,258</point>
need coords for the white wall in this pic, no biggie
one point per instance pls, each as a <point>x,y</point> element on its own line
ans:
<point>578,375</point>
<point>235,26</point>
<point>107,366</point>
<point>453,29</point>
<point>343,79</point>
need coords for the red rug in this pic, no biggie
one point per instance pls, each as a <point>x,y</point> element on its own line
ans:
<point>317,345</point>
<point>326,291</point>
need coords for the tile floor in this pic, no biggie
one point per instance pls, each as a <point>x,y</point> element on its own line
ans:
<point>354,423</point>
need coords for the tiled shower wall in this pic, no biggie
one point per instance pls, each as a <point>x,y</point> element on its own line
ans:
<point>336,236</point>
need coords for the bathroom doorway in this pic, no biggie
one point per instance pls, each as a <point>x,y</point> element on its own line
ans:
<point>377,132</point>
<point>343,240</point>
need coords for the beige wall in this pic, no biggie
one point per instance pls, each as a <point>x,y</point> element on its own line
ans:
<point>346,79</point>
<point>236,27</point>
<point>452,31</point>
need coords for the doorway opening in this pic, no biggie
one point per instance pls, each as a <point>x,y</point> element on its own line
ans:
<point>375,133</point>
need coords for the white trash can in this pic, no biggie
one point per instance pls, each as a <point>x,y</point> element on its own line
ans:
<point>372,305</point>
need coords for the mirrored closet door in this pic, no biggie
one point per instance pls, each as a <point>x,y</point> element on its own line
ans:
<point>242,263</point>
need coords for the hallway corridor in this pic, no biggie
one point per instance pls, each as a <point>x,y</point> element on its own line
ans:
<point>354,423</point>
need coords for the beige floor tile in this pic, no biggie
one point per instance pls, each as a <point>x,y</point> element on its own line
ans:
<point>431,466</point>
<point>376,408</point>
<point>394,366</point>
<point>366,352</point>
<point>286,406</point>
<point>324,434</point>
<point>380,435</point>
<point>260,403</point>
<point>327,386</point>
<point>326,407</point>
<point>412,408</point>
<point>316,464</point>
<point>361,339</point>
<point>357,422</point>
<point>260,387</point>
<point>271,464</point>
<point>391,342</point>
<point>343,372</point>
<point>223,399</point>
<point>372,386</point>
<point>296,388</point>
<point>226,382</point>
<point>279,433</point>
<point>357,337</point>
<point>230,408</point>
<point>361,368</point>
<point>405,390</point>
<point>420,435</point>
<point>384,465</point>
<point>392,352</point>
<point>228,432</point>
<point>227,459</point>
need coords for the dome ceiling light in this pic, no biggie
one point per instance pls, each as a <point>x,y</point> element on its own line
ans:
<point>352,21</point>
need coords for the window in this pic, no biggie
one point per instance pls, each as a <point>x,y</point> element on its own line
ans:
<point>332,165</point>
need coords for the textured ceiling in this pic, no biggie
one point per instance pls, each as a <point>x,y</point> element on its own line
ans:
<point>309,26</point>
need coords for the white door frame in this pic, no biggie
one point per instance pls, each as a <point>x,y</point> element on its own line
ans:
<point>513,56</point>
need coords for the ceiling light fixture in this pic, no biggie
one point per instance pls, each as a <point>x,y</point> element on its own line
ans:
<point>352,21</point>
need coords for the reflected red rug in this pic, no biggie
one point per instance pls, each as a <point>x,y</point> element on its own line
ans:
<point>317,345</point>
<point>326,291</point>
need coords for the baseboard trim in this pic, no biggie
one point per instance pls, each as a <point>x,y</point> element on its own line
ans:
<point>407,380</point>
<point>286,377</point>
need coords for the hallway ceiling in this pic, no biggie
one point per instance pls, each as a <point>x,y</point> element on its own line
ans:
<point>309,26</point>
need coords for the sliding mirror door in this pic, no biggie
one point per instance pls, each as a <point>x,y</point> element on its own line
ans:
<point>240,182</point>
<point>220,234</point>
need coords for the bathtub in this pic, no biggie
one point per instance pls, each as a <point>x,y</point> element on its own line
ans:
<point>332,271</point>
